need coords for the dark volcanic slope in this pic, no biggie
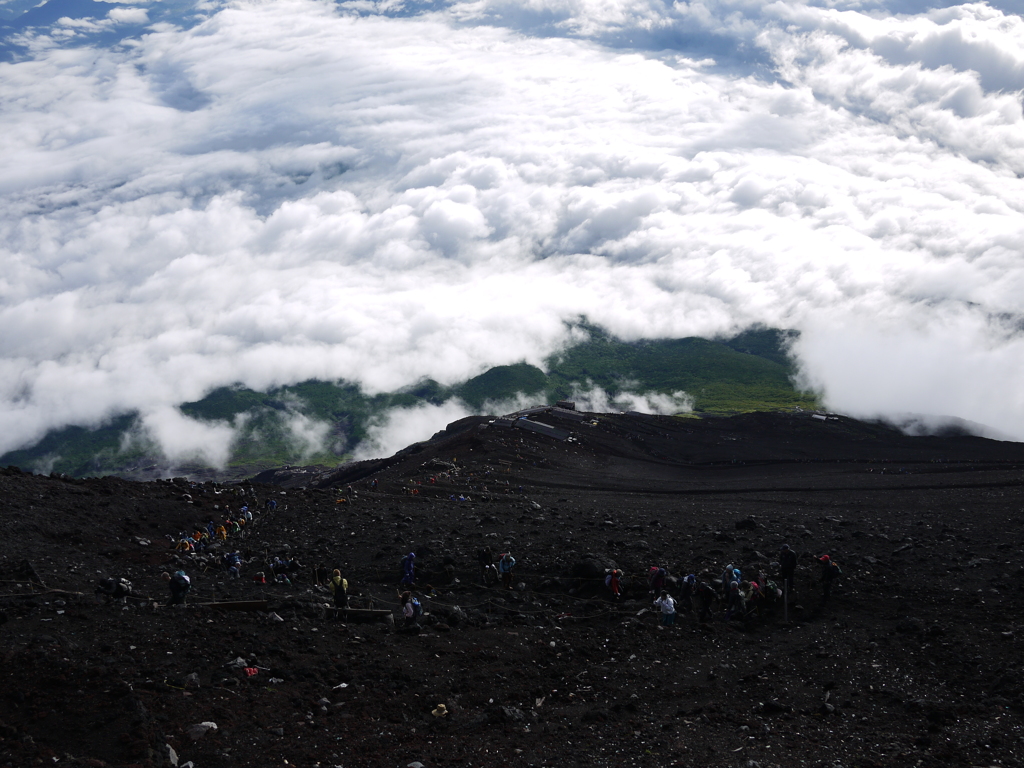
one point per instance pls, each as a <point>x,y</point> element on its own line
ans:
<point>915,660</point>
<point>660,454</point>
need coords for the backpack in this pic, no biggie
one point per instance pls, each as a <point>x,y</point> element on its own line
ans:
<point>417,608</point>
<point>182,580</point>
<point>834,571</point>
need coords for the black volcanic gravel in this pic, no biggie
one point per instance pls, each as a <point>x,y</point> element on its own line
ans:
<point>916,660</point>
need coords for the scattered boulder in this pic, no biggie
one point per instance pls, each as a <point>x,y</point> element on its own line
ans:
<point>167,756</point>
<point>198,730</point>
<point>591,566</point>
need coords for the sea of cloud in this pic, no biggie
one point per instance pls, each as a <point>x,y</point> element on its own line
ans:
<point>268,192</point>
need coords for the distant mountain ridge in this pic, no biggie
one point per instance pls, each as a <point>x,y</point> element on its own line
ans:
<point>748,372</point>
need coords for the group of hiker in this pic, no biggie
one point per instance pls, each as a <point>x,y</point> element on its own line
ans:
<point>741,596</point>
<point>500,570</point>
<point>179,583</point>
<point>204,535</point>
<point>735,594</point>
<point>492,571</point>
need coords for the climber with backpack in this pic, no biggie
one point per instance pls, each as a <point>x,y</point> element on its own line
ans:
<point>408,570</point>
<point>704,598</point>
<point>830,571</point>
<point>179,584</point>
<point>412,609</point>
<point>115,589</point>
<point>687,590</point>
<point>614,582</point>
<point>232,562</point>
<point>505,565</point>
<point>339,586</point>
<point>656,579</point>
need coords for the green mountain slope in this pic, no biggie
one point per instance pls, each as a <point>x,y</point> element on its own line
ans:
<point>317,422</point>
<point>717,376</point>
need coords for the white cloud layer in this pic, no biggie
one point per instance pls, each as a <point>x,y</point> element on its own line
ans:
<point>292,190</point>
<point>596,400</point>
<point>401,427</point>
<point>181,439</point>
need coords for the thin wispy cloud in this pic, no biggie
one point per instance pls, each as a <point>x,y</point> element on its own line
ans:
<point>382,192</point>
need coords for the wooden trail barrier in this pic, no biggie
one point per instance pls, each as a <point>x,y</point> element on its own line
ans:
<point>238,605</point>
<point>364,614</point>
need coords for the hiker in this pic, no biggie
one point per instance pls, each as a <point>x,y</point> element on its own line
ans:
<point>222,532</point>
<point>734,607</point>
<point>730,574</point>
<point>260,577</point>
<point>179,585</point>
<point>787,567</point>
<point>727,579</point>
<point>505,566</point>
<point>115,589</point>
<point>339,587</point>
<point>412,609</point>
<point>486,562</point>
<point>705,597</point>
<point>281,568</point>
<point>830,571</point>
<point>686,592</point>
<point>614,582</point>
<point>232,564</point>
<point>770,592</point>
<point>408,570</point>
<point>753,597</point>
<point>668,608</point>
<point>281,565</point>
<point>657,576</point>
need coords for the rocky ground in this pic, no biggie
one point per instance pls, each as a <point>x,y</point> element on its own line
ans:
<point>916,660</point>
